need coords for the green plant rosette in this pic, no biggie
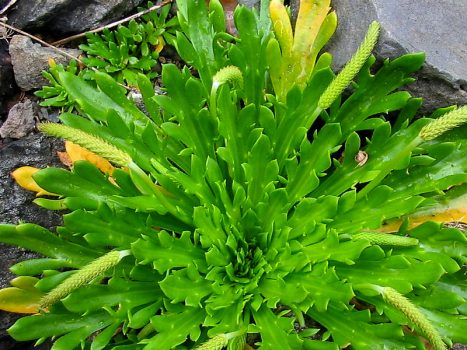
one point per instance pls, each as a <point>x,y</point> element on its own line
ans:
<point>236,212</point>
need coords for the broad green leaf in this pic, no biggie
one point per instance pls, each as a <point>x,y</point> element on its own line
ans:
<point>354,328</point>
<point>41,240</point>
<point>187,286</point>
<point>306,289</point>
<point>48,325</point>
<point>174,328</point>
<point>275,330</point>
<point>127,293</point>
<point>450,326</point>
<point>399,272</point>
<point>167,252</point>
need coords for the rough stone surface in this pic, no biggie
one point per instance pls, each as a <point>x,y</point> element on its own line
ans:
<point>30,59</point>
<point>250,3</point>
<point>20,121</point>
<point>7,81</point>
<point>437,28</point>
<point>67,16</point>
<point>16,205</point>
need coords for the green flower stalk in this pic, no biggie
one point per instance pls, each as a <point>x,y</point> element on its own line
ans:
<point>238,343</point>
<point>82,277</point>
<point>394,298</point>
<point>227,74</point>
<point>444,123</point>
<point>222,340</point>
<point>386,239</point>
<point>230,74</point>
<point>90,142</point>
<point>343,79</point>
<point>216,343</point>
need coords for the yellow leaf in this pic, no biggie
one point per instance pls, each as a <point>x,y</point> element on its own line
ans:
<point>310,18</point>
<point>76,152</point>
<point>160,44</point>
<point>456,212</point>
<point>23,177</point>
<point>51,62</point>
<point>24,282</point>
<point>282,26</point>
<point>23,297</point>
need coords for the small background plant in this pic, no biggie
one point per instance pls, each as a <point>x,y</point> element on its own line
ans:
<point>123,53</point>
<point>247,203</point>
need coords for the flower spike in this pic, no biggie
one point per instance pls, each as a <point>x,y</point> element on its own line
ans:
<point>82,276</point>
<point>444,123</point>
<point>216,343</point>
<point>394,298</point>
<point>386,239</point>
<point>90,142</point>
<point>228,74</point>
<point>343,79</point>
<point>237,342</point>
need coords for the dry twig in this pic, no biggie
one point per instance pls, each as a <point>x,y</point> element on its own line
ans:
<point>62,52</point>
<point>7,6</point>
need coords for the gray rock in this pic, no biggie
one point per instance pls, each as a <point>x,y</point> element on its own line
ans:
<point>29,60</point>
<point>249,3</point>
<point>16,205</point>
<point>20,121</point>
<point>67,16</point>
<point>437,28</point>
<point>7,81</point>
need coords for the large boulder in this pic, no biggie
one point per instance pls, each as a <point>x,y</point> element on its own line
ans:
<point>67,16</point>
<point>30,59</point>
<point>436,27</point>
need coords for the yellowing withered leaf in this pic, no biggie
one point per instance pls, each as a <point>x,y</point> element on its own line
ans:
<point>22,297</point>
<point>23,177</point>
<point>76,152</point>
<point>448,215</point>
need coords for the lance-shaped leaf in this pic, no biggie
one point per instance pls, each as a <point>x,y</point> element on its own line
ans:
<point>128,294</point>
<point>23,177</point>
<point>50,325</point>
<point>187,286</point>
<point>314,160</point>
<point>399,272</point>
<point>174,328</point>
<point>166,251</point>
<point>305,289</point>
<point>76,152</point>
<point>331,248</point>
<point>447,241</point>
<point>275,330</point>
<point>84,181</point>
<point>21,297</point>
<point>260,171</point>
<point>449,326</point>
<point>292,57</point>
<point>447,294</point>
<point>370,96</point>
<point>350,327</point>
<point>100,231</point>
<point>383,204</point>
<point>41,240</point>
<point>309,212</point>
<point>37,266</point>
